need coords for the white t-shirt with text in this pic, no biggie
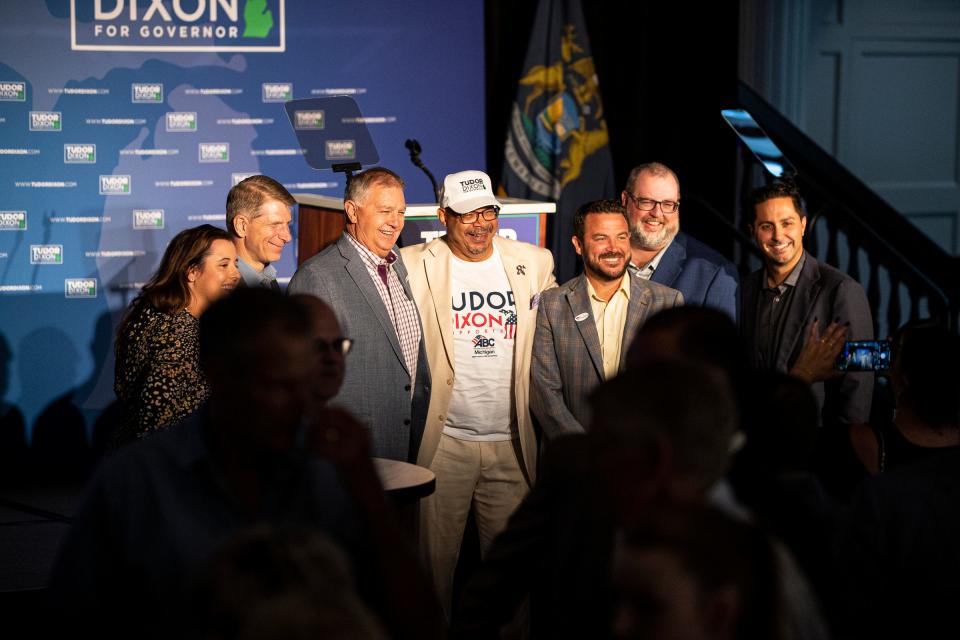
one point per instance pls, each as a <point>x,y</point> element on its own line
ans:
<point>484,329</point>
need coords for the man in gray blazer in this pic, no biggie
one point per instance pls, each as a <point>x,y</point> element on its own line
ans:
<point>363,279</point>
<point>585,326</point>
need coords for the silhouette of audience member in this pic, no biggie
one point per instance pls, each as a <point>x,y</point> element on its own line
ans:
<point>344,441</point>
<point>695,574</point>
<point>702,335</point>
<point>898,552</point>
<point>772,477</point>
<point>156,511</point>
<point>274,582</point>
<point>330,347</point>
<point>296,616</point>
<point>698,334</point>
<point>661,434</point>
<point>925,380</point>
<point>157,374</point>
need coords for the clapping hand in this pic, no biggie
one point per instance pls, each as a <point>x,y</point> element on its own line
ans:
<point>819,352</point>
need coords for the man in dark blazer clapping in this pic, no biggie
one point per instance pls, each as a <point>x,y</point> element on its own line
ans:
<point>794,291</point>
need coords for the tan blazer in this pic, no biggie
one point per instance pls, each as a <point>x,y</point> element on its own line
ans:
<point>529,271</point>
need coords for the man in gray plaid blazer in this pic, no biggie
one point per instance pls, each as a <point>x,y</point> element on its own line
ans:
<point>586,325</point>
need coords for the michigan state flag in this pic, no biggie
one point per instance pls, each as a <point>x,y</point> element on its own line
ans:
<point>557,144</point>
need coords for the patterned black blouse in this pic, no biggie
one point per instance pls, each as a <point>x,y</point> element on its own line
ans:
<point>158,378</point>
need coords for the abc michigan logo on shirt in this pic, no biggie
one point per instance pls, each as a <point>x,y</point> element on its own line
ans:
<point>484,347</point>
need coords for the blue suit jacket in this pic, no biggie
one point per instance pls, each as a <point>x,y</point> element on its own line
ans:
<point>703,276</point>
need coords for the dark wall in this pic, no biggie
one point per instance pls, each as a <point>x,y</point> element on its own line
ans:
<point>665,70</point>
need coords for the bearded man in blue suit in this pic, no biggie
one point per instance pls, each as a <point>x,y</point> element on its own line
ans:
<point>664,254</point>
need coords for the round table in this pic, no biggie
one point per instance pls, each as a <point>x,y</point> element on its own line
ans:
<point>403,481</point>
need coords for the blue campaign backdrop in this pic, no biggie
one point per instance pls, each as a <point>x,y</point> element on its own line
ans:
<point>124,121</point>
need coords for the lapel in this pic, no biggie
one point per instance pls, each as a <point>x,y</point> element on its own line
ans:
<point>808,288</point>
<point>402,273</point>
<point>672,262</point>
<point>579,301</point>
<point>637,311</point>
<point>361,277</point>
<point>436,267</point>
<point>519,273</point>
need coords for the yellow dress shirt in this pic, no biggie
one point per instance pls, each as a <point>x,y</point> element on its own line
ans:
<point>610,317</point>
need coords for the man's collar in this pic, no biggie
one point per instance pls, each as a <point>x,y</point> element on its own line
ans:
<point>655,261</point>
<point>624,287</point>
<point>792,278</point>
<point>369,255</point>
<point>252,277</point>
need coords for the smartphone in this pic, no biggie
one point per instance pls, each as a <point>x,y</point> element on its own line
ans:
<point>864,355</point>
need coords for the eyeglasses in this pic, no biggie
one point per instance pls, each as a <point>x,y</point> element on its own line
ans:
<point>339,346</point>
<point>647,204</point>
<point>489,214</point>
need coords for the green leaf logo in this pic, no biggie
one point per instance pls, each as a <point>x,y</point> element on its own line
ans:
<point>257,19</point>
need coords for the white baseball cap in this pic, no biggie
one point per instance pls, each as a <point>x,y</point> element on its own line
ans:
<point>466,191</point>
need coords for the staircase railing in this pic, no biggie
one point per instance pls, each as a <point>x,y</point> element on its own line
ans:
<point>906,274</point>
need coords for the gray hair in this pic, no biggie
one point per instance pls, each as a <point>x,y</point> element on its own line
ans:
<point>358,185</point>
<point>653,168</point>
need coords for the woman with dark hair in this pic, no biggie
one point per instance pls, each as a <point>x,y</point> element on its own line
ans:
<point>158,378</point>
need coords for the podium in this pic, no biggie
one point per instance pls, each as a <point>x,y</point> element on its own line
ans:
<point>321,221</point>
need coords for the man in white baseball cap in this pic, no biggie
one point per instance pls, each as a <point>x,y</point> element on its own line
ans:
<point>478,295</point>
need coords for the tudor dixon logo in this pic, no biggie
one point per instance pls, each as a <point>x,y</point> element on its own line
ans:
<point>80,287</point>
<point>13,220</point>
<point>178,25</point>
<point>214,151</point>
<point>13,91</point>
<point>308,119</point>
<point>180,121</point>
<point>46,254</point>
<point>147,219</point>
<point>146,92</point>
<point>114,185</point>
<point>277,91</point>
<point>45,121</point>
<point>476,184</point>
<point>79,153</point>
<point>340,150</point>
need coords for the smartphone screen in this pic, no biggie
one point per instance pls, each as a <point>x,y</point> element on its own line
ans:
<point>864,355</point>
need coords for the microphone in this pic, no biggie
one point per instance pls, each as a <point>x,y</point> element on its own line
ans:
<point>414,148</point>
